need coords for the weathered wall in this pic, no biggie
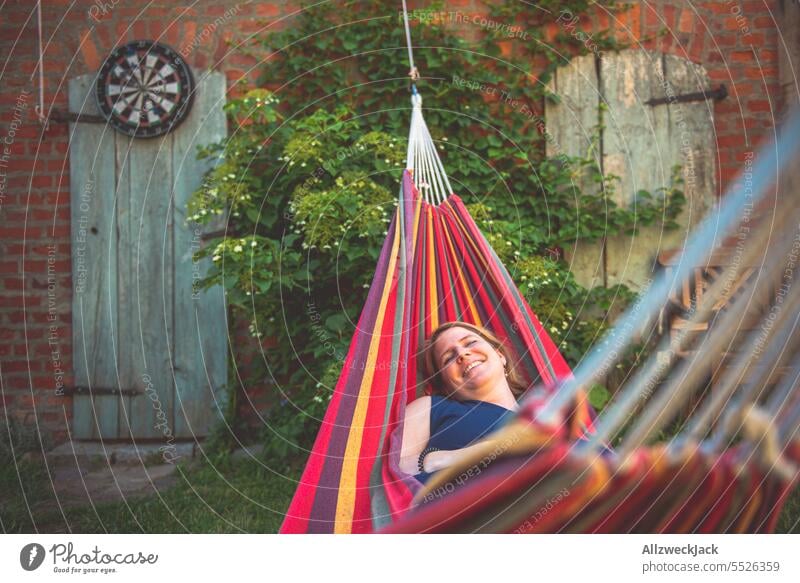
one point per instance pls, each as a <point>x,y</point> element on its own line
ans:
<point>737,42</point>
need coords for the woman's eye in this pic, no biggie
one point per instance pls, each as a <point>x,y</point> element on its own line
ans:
<point>471,342</point>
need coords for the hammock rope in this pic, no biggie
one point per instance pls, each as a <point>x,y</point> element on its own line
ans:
<point>422,160</point>
<point>413,72</point>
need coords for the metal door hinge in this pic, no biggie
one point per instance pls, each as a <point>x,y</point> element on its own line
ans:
<point>96,391</point>
<point>717,94</point>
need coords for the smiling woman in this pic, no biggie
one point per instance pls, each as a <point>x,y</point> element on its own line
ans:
<point>476,388</point>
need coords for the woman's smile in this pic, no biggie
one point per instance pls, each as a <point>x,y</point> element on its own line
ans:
<point>471,366</point>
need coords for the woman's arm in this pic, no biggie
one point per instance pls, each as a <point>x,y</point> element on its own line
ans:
<point>438,460</point>
<point>416,433</point>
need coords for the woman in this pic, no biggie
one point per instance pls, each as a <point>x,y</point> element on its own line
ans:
<point>476,388</point>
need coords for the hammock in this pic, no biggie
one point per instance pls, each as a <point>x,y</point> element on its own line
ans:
<point>435,267</point>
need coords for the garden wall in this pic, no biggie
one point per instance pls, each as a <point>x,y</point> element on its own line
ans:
<point>737,42</point>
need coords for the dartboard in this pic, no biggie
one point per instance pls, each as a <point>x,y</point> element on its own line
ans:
<point>145,89</point>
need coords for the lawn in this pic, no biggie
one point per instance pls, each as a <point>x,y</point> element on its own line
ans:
<point>210,497</point>
<point>219,496</point>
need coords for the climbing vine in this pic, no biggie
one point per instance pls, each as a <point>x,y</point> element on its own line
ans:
<point>310,171</point>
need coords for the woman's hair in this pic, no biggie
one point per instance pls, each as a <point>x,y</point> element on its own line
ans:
<point>433,373</point>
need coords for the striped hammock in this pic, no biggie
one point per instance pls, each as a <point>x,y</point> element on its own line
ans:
<point>435,267</point>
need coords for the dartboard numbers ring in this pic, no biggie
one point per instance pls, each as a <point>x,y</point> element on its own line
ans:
<point>145,89</point>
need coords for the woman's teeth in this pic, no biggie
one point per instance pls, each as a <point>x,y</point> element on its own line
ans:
<point>471,366</point>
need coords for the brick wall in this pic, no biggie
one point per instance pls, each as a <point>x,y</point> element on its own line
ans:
<point>736,41</point>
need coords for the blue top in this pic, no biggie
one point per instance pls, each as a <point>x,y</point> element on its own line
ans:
<point>457,424</point>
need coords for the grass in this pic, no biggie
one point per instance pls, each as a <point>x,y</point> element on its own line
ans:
<point>222,496</point>
<point>789,521</point>
<point>216,495</point>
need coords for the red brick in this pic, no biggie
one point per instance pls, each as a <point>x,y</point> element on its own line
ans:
<point>728,106</point>
<point>652,19</point>
<point>41,181</point>
<point>122,31</point>
<point>635,15</point>
<point>744,89</point>
<point>17,382</point>
<point>725,155</point>
<point>741,56</point>
<point>686,22</point>
<point>34,333</point>
<point>697,48</point>
<point>16,317</point>
<point>729,141</point>
<point>15,366</point>
<point>60,166</point>
<point>764,22</point>
<point>760,72</point>
<point>28,233</point>
<point>730,23</point>
<point>89,51</point>
<point>716,7</point>
<point>25,401</point>
<point>189,34</point>
<point>719,74</point>
<point>266,9</point>
<point>13,284</point>
<point>768,56</point>
<point>759,105</point>
<point>668,17</point>
<point>139,30</point>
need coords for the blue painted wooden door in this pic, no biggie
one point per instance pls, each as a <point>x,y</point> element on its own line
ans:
<point>149,347</point>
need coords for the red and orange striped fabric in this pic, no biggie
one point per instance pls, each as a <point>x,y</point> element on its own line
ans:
<point>435,267</point>
<point>546,486</point>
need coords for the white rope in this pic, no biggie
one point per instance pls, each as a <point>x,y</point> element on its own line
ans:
<point>39,109</point>
<point>422,158</point>
<point>408,36</point>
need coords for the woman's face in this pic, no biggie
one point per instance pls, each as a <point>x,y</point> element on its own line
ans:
<point>469,365</point>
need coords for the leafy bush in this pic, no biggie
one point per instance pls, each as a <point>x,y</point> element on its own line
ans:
<point>309,176</point>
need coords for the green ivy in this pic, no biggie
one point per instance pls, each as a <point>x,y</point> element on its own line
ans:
<point>309,175</point>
